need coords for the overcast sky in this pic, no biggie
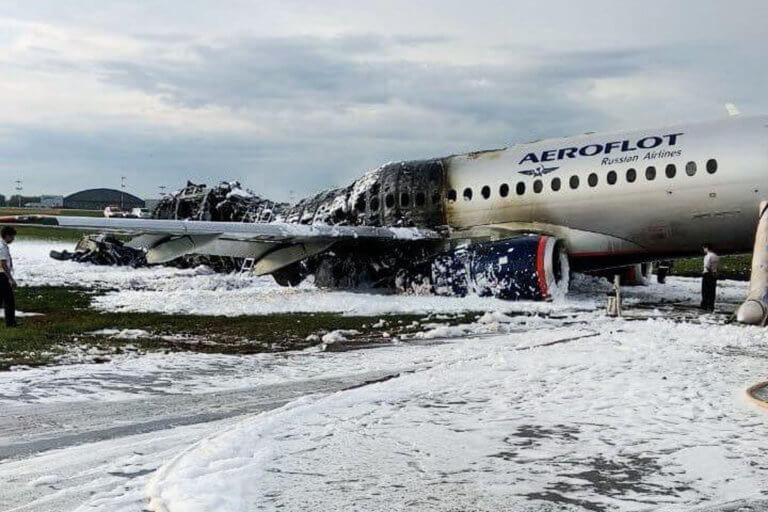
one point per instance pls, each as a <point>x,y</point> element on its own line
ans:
<point>295,95</point>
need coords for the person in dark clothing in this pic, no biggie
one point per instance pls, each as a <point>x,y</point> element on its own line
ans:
<point>709,278</point>
<point>7,282</point>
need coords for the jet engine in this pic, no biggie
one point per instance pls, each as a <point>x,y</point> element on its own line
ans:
<point>531,267</point>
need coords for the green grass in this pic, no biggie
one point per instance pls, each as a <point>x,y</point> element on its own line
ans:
<point>734,266</point>
<point>46,233</point>
<point>9,210</point>
<point>67,319</point>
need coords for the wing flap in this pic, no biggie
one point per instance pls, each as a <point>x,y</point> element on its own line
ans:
<point>274,231</point>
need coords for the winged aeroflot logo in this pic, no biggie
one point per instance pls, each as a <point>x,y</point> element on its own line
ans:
<point>539,171</point>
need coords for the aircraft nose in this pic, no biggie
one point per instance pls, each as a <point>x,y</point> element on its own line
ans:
<point>751,312</point>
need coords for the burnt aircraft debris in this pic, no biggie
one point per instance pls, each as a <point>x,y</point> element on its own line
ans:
<point>102,250</point>
<point>402,194</point>
<point>227,202</point>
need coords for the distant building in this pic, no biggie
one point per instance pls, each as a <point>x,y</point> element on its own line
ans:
<point>100,198</point>
<point>47,202</point>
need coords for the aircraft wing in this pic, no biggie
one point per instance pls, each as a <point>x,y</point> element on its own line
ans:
<point>272,245</point>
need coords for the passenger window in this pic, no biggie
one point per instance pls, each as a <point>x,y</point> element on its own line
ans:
<point>420,199</point>
<point>360,204</point>
<point>520,189</point>
<point>690,168</point>
<point>486,192</point>
<point>592,180</point>
<point>467,194</point>
<point>650,173</point>
<point>452,195</point>
<point>555,184</point>
<point>538,186</point>
<point>670,171</point>
<point>375,204</point>
<point>389,200</point>
<point>405,199</point>
<point>631,175</point>
<point>574,182</point>
<point>611,177</point>
<point>712,166</point>
<point>504,190</point>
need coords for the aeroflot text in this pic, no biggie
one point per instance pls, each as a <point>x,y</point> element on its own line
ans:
<point>605,149</point>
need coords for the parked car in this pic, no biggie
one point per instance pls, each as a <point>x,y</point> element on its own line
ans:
<point>113,211</point>
<point>140,213</point>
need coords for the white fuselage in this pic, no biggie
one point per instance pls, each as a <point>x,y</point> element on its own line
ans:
<point>665,210</point>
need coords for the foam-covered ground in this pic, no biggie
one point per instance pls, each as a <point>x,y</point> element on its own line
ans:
<point>200,291</point>
<point>563,410</point>
<point>643,416</point>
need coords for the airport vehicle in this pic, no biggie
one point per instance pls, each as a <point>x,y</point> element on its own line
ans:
<point>139,213</point>
<point>113,212</point>
<point>508,222</point>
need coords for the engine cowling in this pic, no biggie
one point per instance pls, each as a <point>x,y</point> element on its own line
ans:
<point>531,267</point>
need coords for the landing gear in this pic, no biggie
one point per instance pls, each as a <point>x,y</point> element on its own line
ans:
<point>292,275</point>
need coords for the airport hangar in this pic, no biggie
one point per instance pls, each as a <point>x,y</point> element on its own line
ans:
<point>100,198</point>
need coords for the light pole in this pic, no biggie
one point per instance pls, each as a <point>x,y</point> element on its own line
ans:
<point>122,192</point>
<point>19,188</point>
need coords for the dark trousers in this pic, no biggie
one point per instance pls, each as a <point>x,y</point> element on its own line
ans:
<point>708,291</point>
<point>7,300</point>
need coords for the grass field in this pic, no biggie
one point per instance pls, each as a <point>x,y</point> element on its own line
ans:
<point>9,210</point>
<point>48,233</point>
<point>67,321</point>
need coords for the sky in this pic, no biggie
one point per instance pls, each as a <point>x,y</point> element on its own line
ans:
<point>291,97</point>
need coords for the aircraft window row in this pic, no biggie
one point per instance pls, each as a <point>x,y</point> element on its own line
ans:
<point>670,171</point>
<point>420,200</point>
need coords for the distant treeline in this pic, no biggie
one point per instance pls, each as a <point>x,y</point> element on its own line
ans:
<point>14,200</point>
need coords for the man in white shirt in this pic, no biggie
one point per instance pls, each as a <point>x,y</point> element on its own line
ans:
<point>7,282</point>
<point>709,278</point>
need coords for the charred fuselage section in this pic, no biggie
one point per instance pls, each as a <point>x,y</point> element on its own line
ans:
<point>227,202</point>
<point>402,194</point>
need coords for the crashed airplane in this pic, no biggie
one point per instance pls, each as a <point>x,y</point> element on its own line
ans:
<point>509,223</point>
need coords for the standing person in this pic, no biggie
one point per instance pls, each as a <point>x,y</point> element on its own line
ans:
<point>709,278</point>
<point>7,282</point>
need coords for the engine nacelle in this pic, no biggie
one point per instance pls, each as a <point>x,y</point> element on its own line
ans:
<point>531,267</point>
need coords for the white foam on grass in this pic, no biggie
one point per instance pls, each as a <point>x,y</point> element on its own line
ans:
<point>338,335</point>
<point>122,334</point>
<point>645,415</point>
<point>200,291</point>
